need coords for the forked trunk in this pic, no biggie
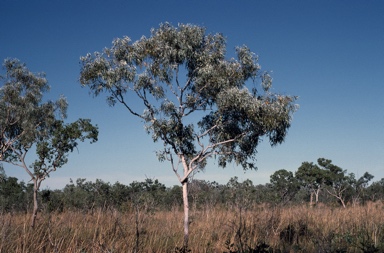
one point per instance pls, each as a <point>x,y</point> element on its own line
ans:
<point>186,214</point>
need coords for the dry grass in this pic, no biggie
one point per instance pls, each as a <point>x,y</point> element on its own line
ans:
<point>288,229</point>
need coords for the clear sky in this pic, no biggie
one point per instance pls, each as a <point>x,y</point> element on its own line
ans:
<point>329,53</point>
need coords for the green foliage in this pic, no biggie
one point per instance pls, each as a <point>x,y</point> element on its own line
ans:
<point>52,201</point>
<point>205,194</point>
<point>337,182</point>
<point>239,195</point>
<point>53,151</point>
<point>27,121</point>
<point>24,118</point>
<point>285,185</point>
<point>375,191</point>
<point>310,176</point>
<point>333,180</point>
<point>13,195</point>
<point>83,195</point>
<point>182,70</point>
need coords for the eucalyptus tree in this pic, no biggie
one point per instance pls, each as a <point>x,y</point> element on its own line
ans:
<point>284,185</point>
<point>27,122</point>
<point>312,178</point>
<point>336,179</point>
<point>194,100</point>
<point>361,186</point>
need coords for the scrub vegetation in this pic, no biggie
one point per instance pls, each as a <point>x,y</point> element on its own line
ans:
<point>237,216</point>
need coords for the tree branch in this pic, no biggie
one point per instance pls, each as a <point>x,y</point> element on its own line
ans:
<point>119,96</point>
<point>173,165</point>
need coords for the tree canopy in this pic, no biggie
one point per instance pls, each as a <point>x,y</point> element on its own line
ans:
<point>28,122</point>
<point>195,100</point>
<point>182,70</point>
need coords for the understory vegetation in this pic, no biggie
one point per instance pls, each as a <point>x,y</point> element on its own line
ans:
<point>260,228</point>
<point>280,216</point>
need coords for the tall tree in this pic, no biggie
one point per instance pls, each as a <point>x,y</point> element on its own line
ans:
<point>27,122</point>
<point>179,72</point>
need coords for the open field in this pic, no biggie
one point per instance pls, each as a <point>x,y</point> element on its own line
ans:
<point>285,229</point>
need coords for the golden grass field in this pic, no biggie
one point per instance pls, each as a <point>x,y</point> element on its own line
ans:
<point>283,229</point>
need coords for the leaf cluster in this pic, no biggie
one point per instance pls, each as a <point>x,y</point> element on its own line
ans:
<point>27,121</point>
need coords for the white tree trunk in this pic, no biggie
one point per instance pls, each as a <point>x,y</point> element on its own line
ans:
<point>186,214</point>
<point>35,205</point>
<point>317,195</point>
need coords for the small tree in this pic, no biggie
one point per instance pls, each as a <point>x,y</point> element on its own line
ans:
<point>336,179</point>
<point>285,185</point>
<point>375,191</point>
<point>361,185</point>
<point>27,122</point>
<point>194,99</point>
<point>311,178</point>
<point>12,194</point>
<point>239,195</point>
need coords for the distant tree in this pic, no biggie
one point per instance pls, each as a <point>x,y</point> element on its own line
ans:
<point>120,195</point>
<point>263,193</point>
<point>360,187</point>
<point>336,179</point>
<point>26,122</point>
<point>103,192</point>
<point>147,191</point>
<point>194,100</point>
<point>285,185</point>
<point>52,200</point>
<point>172,197</point>
<point>239,195</point>
<point>144,199</point>
<point>80,195</point>
<point>12,194</point>
<point>203,193</point>
<point>375,191</point>
<point>312,178</point>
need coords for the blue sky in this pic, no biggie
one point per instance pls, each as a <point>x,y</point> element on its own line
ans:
<point>329,53</point>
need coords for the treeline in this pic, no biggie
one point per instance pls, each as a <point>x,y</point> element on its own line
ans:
<point>311,184</point>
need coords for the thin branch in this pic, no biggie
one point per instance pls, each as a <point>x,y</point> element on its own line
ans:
<point>208,152</point>
<point>173,165</point>
<point>120,98</point>
<point>206,132</point>
<point>23,165</point>
<point>179,98</point>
